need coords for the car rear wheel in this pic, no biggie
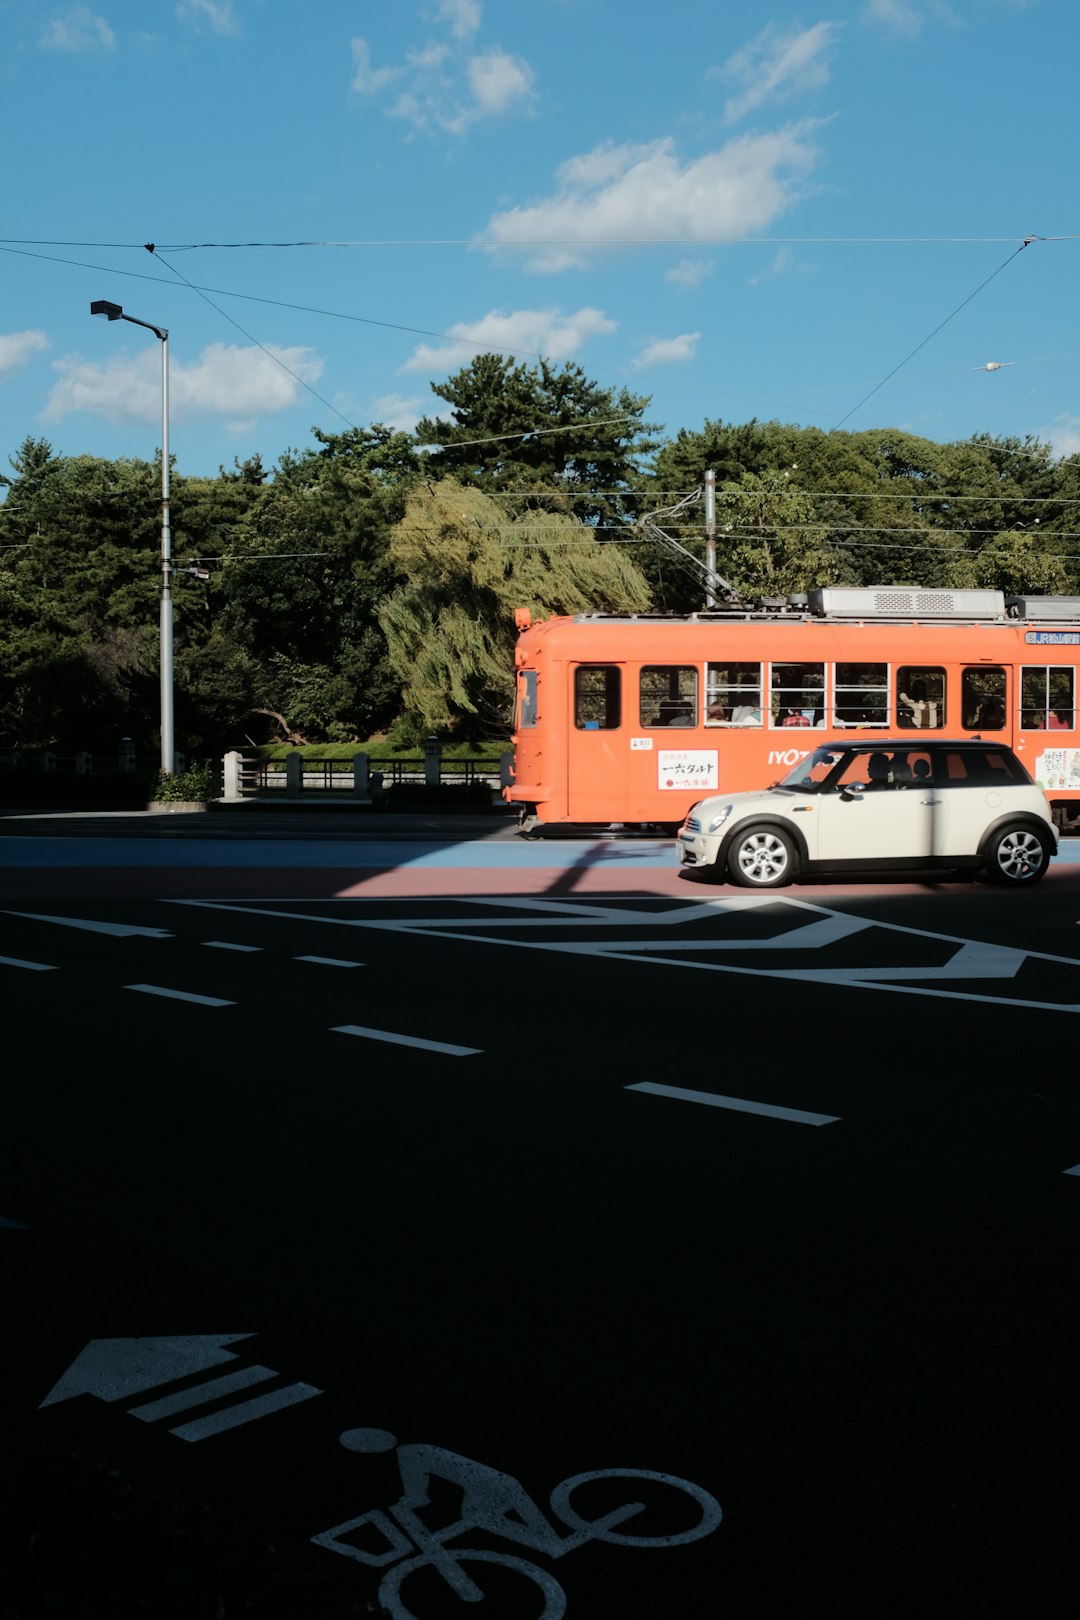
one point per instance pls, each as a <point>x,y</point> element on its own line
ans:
<point>1016,854</point>
<point>762,858</point>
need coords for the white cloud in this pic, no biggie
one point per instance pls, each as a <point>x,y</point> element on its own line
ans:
<point>366,80</point>
<point>218,13</point>
<point>783,263</point>
<point>634,193</point>
<point>225,381</point>
<point>777,65</point>
<point>463,16</point>
<point>904,19</point>
<point>521,331</point>
<point>497,81</point>
<point>1063,434</point>
<point>398,411</point>
<point>78,31</point>
<point>446,85</point>
<point>16,349</point>
<point>669,351</point>
<point>689,272</point>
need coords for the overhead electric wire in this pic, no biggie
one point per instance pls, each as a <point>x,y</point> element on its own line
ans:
<point>1025,243</point>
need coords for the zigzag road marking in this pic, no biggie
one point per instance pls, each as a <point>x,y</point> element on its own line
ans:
<point>969,959</point>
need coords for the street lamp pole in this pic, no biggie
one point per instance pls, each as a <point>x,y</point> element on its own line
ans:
<point>114,312</point>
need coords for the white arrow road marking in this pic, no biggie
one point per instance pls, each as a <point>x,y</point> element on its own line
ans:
<point>113,1369</point>
<point>738,1105</point>
<point>119,930</point>
<point>202,1394</point>
<point>231,1417</point>
<point>1075,1171</point>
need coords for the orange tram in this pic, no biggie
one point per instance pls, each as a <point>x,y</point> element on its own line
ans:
<point>631,720</point>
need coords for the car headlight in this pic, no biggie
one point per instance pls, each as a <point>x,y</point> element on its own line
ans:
<point>720,817</point>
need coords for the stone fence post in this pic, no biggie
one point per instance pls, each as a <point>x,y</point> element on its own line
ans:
<point>231,784</point>
<point>294,775</point>
<point>360,766</point>
<point>432,762</point>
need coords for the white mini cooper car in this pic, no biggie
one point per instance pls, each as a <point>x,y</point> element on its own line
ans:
<point>874,805</point>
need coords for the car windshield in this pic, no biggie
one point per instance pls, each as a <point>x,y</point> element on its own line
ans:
<point>811,773</point>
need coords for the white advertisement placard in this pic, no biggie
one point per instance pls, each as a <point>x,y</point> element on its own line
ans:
<point>680,768</point>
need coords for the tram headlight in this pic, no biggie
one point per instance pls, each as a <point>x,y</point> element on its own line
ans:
<point>721,816</point>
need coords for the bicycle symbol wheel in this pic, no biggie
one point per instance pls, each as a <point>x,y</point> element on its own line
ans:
<point>709,1517</point>
<point>391,1583</point>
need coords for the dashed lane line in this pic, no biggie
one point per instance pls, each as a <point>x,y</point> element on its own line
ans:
<point>328,961</point>
<point>737,1105</point>
<point>228,945</point>
<point>180,995</point>
<point>405,1040</point>
<point>31,967</point>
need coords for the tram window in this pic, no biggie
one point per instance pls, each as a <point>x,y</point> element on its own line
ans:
<point>668,695</point>
<point>597,697</point>
<point>527,712</point>
<point>861,694</point>
<point>1047,697</point>
<point>733,694</point>
<point>797,695</point>
<point>920,697</point>
<point>982,698</point>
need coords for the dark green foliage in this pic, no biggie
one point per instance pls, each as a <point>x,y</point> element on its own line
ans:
<point>550,438</point>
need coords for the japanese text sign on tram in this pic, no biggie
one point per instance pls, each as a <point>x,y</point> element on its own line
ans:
<point>1053,638</point>
<point>681,768</point>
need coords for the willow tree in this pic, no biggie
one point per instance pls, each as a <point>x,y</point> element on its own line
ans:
<point>450,626</point>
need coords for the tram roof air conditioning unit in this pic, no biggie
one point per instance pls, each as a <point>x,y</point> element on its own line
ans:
<point>1062,609</point>
<point>905,602</point>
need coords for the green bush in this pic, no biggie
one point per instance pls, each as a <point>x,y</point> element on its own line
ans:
<point>193,786</point>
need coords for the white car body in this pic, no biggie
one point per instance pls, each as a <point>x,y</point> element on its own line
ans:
<point>841,810</point>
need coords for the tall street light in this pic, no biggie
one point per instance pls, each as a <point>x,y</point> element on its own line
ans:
<point>114,312</point>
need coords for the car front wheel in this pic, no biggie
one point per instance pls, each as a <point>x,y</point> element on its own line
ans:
<point>1016,855</point>
<point>762,858</point>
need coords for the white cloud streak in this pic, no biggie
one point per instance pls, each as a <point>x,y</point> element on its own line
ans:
<point>525,331</point>
<point>689,272</point>
<point>669,351</point>
<point>16,349</point>
<point>218,14</point>
<point>633,193</point>
<point>225,381</point>
<point>79,32</point>
<point>776,66</point>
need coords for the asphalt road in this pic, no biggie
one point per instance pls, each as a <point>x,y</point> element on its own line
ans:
<point>511,1164</point>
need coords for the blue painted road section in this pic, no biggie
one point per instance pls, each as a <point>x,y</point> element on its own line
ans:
<point>121,853</point>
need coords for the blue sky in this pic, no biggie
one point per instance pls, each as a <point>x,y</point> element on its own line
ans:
<point>811,216</point>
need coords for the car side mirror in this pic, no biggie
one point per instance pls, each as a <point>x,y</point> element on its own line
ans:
<point>852,791</point>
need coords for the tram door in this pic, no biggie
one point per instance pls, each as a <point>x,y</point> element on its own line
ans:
<point>596,744</point>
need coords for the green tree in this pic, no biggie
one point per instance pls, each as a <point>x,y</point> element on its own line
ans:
<point>541,436</point>
<point>450,625</point>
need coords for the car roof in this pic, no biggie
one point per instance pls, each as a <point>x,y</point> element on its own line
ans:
<point>922,744</point>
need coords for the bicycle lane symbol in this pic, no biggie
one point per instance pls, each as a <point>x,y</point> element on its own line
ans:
<point>497,1503</point>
